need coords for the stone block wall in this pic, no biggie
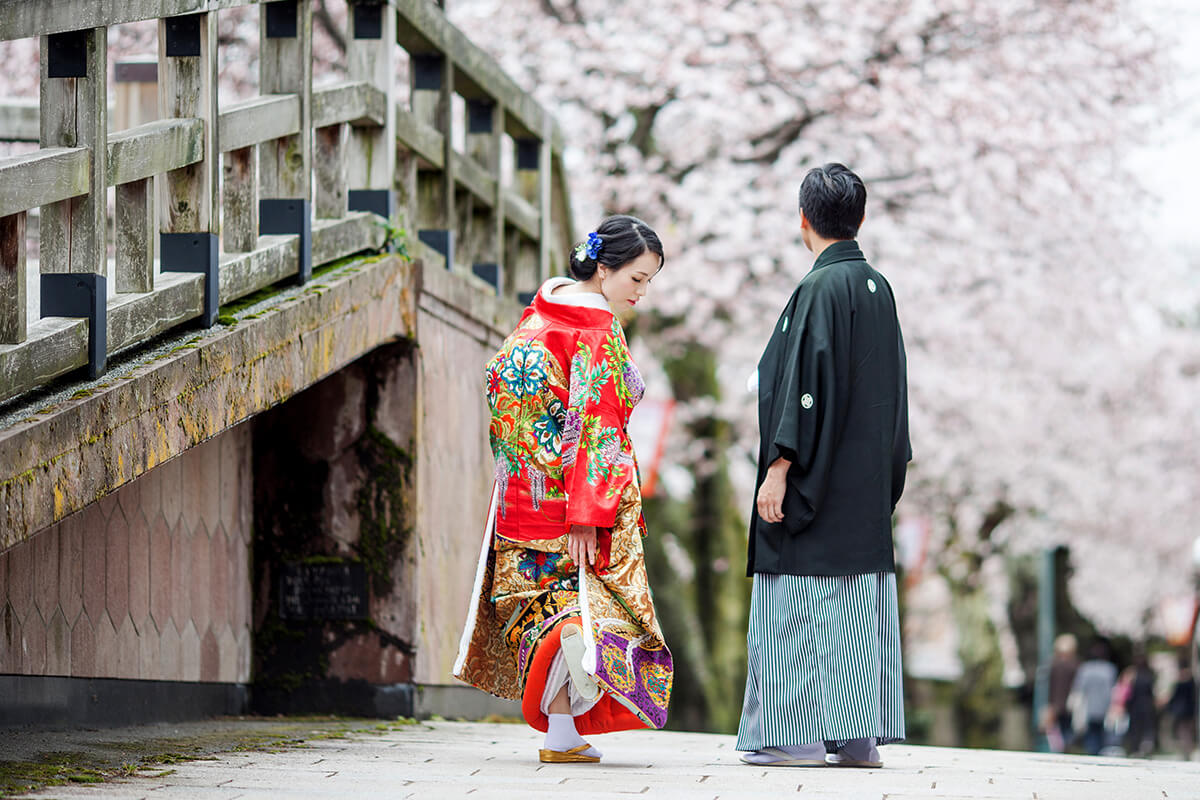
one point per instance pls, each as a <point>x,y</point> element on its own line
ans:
<point>151,582</point>
<point>454,480</point>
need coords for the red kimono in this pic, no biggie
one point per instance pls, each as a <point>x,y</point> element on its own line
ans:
<point>560,391</point>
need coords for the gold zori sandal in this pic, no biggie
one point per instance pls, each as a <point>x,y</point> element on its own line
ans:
<point>573,756</point>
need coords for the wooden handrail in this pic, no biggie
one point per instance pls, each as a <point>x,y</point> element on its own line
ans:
<point>358,142</point>
<point>154,148</point>
<point>257,120</point>
<point>43,177</point>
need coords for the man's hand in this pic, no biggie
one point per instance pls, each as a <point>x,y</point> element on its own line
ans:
<point>581,544</point>
<point>770,493</point>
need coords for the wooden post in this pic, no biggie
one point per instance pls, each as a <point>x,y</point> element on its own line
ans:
<point>484,138</point>
<point>239,189</point>
<point>432,77</point>
<point>285,67</point>
<point>545,168</point>
<point>135,239</point>
<point>525,254</point>
<point>13,329</point>
<point>330,165</point>
<point>74,113</point>
<point>187,87</point>
<point>371,57</point>
<point>135,102</point>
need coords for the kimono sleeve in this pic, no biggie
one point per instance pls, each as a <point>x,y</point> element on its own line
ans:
<point>805,414</point>
<point>901,446</point>
<point>596,456</point>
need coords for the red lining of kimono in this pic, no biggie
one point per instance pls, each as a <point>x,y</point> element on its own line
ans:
<point>607,716</point>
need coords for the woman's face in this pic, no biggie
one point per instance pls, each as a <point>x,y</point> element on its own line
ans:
<point>626,286</point>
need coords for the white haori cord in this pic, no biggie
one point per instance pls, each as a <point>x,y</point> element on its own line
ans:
<point>473,605</point>
<point>589,641</point>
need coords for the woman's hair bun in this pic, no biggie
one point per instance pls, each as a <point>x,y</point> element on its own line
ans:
<point>616,241</point>
<point>582,270</point>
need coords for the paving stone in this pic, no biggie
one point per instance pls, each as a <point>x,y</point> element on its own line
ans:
<point>455,760</point>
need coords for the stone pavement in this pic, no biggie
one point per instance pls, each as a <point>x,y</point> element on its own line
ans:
<point>455,759</point>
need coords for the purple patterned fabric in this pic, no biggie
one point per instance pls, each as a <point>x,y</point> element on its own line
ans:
<point>640,678</point>
<point>633,382</point>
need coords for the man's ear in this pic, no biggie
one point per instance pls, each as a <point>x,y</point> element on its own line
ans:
<point>804,223</point>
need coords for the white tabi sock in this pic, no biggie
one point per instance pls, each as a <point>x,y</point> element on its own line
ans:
<point>562,736</point>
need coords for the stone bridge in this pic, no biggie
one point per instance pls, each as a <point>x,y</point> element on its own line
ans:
<point>243,462</point>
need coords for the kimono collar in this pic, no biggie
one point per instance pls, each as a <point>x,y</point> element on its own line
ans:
<point>589,310</point>
<point>845,250</point>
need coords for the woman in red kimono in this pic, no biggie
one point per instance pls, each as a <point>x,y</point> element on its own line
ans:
<point>561,616</point>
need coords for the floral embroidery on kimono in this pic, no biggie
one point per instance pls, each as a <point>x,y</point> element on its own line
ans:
<point>560,399</point>
<point>560,391</point>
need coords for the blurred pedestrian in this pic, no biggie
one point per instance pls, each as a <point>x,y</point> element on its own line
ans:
<point>1092,690</point>
<point>1057,721</point>
<point>1142,737</point>
<point>1116,722</point>
<point>1181,707</point>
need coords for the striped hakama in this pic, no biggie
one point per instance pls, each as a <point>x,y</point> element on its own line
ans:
<point>824,661</point>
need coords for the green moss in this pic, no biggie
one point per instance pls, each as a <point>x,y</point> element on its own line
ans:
<point>226,319</point>
<point>53,769</point>
<point>81,393</point>
<point>383,527</point>
<point>145,757</point>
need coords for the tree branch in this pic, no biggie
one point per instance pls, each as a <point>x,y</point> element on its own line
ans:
<point>321,15</point>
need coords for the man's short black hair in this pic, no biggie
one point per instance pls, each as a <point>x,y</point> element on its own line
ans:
<point>834,200</point>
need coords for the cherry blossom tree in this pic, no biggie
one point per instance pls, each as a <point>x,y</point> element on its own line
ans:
<point>1052,385</point>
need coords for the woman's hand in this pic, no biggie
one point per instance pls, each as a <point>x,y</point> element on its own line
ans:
<point>770,493</point>
<point>581,544</point>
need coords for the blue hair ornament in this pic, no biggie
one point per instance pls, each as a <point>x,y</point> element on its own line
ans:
<point>589,249</point>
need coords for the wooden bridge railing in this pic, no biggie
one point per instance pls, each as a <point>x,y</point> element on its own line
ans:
<point>256,192</point>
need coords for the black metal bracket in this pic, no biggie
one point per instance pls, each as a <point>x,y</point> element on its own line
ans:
<point>195,252</point>
<point>489,272</point>
<point>80,294</point>
<point>66,54</point>
<point>377,201</point>
<point>368,19</point>
<point>526,298</point>
<point>528,153</point>
<point>427,70</point>
<point>289,215</point>
<point>441,241</point>
<point>479,116</point>
<point>182,35</point>
<point>282,19</point>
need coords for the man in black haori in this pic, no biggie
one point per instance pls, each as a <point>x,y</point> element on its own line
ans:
<point>824,682</point>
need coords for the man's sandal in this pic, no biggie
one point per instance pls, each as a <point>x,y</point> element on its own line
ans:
<point>780,758</point>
